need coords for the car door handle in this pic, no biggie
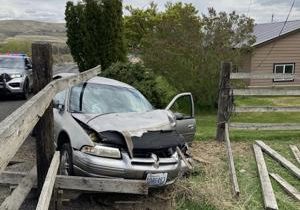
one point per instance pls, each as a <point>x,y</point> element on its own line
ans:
<point>191,126</point>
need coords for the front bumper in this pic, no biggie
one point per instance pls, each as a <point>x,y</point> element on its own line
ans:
<point>14,86</point>
<point>127,168</point>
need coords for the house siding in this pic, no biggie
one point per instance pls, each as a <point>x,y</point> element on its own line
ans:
<point>284,50</point>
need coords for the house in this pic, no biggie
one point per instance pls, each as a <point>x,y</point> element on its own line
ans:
<point>276,50</point>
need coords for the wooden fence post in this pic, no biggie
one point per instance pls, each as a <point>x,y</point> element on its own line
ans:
<point>223,102</point>
<point>42,75</point>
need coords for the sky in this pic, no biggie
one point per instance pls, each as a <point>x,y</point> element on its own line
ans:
<point>53,10</point>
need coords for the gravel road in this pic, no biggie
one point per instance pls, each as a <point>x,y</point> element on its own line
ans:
<point>26,155</point>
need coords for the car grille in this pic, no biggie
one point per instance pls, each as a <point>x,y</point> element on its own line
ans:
<point>161,143</point>
<point>163,153</point>
<point>15,84</point>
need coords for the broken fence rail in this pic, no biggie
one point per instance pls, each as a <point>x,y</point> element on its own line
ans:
<point>232,171</point>
<point>267,189</point>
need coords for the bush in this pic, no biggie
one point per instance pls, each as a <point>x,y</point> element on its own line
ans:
<point>155,89</point>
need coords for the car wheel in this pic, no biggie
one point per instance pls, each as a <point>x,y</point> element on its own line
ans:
<point>25,93</point>
<point>66,162</point>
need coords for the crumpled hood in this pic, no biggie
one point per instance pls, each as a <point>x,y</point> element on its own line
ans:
<point>134,123</point>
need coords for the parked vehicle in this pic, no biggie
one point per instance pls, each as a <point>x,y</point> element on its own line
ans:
<point>15,74</point>
<point>106,128</point>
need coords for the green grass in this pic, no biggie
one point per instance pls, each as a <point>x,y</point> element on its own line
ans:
<point>206,121</point>
<point>251,195</point>
<point>267,101</point>
<point>189,205</point>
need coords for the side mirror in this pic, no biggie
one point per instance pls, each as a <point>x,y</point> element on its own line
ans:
<point>178,116</point>
<point>58,105</point>
<point>28,67</point>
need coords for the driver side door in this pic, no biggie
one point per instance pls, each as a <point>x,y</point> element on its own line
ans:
<point>183,108</point>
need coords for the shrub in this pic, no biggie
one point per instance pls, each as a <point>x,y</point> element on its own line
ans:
<point>155,89</point>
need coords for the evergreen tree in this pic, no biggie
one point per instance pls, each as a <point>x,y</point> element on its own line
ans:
<point>95,32</point>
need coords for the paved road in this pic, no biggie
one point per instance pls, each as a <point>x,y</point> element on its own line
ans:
<point>9,104</point>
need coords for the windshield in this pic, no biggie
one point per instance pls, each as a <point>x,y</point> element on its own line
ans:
<point>12,62</point>
<point>90,98</point>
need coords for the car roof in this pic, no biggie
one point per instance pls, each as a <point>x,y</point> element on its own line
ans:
<point>97,80</point>
<point>107,81</point>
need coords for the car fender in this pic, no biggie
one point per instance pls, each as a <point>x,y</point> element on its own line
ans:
<point>64,122</point>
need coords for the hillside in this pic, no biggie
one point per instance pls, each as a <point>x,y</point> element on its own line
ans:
<point>27,28</point>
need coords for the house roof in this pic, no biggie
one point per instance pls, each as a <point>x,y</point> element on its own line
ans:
<point>268,31</point>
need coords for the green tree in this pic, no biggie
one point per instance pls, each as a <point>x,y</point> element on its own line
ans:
<point>187,49</point>
<point>139,23</point>
<point>95,32</point>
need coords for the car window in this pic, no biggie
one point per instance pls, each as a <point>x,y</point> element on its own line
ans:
<point>12,62</point>
<point>102,99</point>
<point>183,106</point>
<point>60,97</point>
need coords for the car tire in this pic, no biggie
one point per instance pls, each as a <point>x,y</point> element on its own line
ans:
<point>66,161</point>
<point>25,94</point>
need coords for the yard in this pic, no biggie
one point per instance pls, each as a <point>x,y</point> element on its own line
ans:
<point>209,186</point>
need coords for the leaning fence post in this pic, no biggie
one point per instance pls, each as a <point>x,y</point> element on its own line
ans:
<point>42,75</point>
<point>223,101</point>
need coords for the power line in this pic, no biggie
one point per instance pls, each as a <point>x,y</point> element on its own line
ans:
<point>283,27</point>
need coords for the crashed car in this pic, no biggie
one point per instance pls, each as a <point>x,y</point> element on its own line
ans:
<point>106,128</point>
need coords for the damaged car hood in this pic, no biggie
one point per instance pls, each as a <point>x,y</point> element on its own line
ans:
<point>135,123</point>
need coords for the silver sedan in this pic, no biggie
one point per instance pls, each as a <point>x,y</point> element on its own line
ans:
<point>106,128</point>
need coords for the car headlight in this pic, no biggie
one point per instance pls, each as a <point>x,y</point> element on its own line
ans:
<point>16,76</point>
<point>102,151</point>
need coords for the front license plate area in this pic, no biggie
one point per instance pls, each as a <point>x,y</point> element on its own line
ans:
<point>157,180</point>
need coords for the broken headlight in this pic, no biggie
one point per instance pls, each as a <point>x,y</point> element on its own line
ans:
<point>102,151</point>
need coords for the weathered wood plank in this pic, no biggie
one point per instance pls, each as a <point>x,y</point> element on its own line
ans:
<point>46,194</point>
<point>90,184</point>
<point>266,92</point>
<point>266,109</point>
<point>261,76</point>
<point>286,186</point>
<point>265,126</point>
<point>279,158</point>
<point>296,152</point>
<point>232,171</point>
<point>15,200</point>
<point>17,126</point>
<point>9,178</point>
<point>267,190</point>
<point>85,184</point>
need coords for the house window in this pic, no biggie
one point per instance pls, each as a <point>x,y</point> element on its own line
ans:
<point>284,72</point>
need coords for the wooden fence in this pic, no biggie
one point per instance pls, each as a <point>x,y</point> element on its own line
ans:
<point>17,127</point>
<point>226,109</point>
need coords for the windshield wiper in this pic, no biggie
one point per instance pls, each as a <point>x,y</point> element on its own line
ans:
<point>100,115</point>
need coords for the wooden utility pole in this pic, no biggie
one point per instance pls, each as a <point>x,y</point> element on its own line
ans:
<point>223,102</point>
<point>42,75</point>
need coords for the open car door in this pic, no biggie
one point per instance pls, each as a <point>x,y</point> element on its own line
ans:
<point>182,106</point>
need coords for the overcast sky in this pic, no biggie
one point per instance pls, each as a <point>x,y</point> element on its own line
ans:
<point>53,10</point>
